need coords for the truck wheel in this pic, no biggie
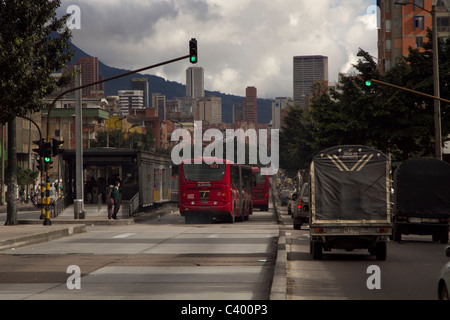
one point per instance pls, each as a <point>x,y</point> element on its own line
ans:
<point>381,251</point>
<point>317,250</point>
<point>444,236</point>
<point>396,233</point>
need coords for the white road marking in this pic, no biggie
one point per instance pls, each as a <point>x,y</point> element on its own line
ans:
<point>124,235</point>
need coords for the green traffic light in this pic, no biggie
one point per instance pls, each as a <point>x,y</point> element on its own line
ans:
<point>47,159</point>
<point>368,83</point>
<point>193,59</point>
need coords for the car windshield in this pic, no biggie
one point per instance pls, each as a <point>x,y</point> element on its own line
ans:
<point>204,172</point>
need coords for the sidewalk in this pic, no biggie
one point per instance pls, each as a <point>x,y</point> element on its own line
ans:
<point>31,231</point>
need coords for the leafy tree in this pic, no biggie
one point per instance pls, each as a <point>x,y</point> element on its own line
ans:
<point>296,139</point>
<point>30,51</point>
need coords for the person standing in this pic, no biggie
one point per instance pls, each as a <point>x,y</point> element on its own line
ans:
<point>116,197</point>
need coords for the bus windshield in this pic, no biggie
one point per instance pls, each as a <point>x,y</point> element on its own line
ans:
<point>204,172</point>
<point>260,179</point>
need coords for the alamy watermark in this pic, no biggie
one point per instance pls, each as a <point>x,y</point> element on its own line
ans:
<point>258,146</point>
<point>74,21</point>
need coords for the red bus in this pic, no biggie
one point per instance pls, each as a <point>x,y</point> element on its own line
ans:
<point>220,191</point>
<point>261,190</point>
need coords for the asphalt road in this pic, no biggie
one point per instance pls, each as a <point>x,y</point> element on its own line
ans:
<point>410,271</point>
<point>160,258</point>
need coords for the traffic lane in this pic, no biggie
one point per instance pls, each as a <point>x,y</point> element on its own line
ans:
<point>410,271</point>
<point>112,261</point>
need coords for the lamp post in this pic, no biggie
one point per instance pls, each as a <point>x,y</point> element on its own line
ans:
<point>437,103</point>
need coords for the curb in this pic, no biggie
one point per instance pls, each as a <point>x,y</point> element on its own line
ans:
<point>37,236</point>
<point>279,285</point>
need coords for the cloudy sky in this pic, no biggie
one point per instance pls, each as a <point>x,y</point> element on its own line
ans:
<point>240,42</point>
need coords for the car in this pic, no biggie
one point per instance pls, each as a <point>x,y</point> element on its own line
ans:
<point>444,279</point>
<point>301,210</point>
<point>284,194</point>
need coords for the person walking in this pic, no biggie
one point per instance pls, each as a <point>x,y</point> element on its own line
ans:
<point>116,197</point>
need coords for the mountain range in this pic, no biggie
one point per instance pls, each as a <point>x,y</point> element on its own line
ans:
<point>171,89</point>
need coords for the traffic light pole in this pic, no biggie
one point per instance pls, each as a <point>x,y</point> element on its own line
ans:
<point>47,166</point>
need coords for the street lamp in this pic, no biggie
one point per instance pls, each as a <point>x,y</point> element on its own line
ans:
<point>437,103</point>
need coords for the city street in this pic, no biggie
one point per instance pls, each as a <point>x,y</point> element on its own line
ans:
<point>410,271</point>
<point>159,258</point>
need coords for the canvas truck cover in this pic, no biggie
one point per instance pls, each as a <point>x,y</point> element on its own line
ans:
<point>422,186</point>
<point>350,184</point>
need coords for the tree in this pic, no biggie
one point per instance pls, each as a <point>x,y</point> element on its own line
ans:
<point>31,49</point>
<point>296,139</point>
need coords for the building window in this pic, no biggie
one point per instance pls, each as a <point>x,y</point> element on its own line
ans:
<point>419,22</point>
<point>419,42</point>
<point>419,3</point>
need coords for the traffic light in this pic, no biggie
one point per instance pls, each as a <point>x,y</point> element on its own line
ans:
<point>40,165</point>
<point>40,144</point>
<point>368,77</point>
<point>47,154</point>
<point>193,51</point>
<point>56,147</point>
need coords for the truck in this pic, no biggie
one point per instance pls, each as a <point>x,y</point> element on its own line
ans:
<point>422,199</point>
<point>350,202</point>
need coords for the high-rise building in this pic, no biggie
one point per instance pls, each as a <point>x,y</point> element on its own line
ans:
<point>308,70</point>
<point>250,105</point>
<point>195,82</point>
<point>159,103</point>
<point>404,26</point>
<point>210,109</point>
<point>89,74</point>
<point>130,99</point>
<point>142,84</point>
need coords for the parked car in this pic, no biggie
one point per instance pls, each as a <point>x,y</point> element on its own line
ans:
<point>444,279</point>
<point>300,214</point>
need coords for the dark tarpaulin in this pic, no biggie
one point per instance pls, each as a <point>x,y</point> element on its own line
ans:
<point>351,183</point>
<point>422,186</point>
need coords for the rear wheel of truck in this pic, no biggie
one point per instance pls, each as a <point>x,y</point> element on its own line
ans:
<point>317,250</point>
<point>381,251</point>
<point>444,236</point>
<point>396,233</point>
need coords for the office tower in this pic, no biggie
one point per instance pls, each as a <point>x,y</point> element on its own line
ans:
<point>89,74</point>
<point>142,84</point>
<point>250,105</point>
<point>159,103</point>
<point>210,109</point>
<point>308,70</point>
<point>404,26</point>
<point>130,99</point>
<point>195,82</point>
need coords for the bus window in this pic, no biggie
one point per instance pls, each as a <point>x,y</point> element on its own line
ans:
<point>204,172</point>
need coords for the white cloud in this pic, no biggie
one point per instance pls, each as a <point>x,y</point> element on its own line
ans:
<point>241,42</point>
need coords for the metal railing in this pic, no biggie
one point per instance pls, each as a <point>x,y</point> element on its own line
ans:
<point>130,207</point>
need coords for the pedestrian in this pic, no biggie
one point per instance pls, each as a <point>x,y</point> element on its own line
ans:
<point>116,197</point>
<point>110,202</point>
